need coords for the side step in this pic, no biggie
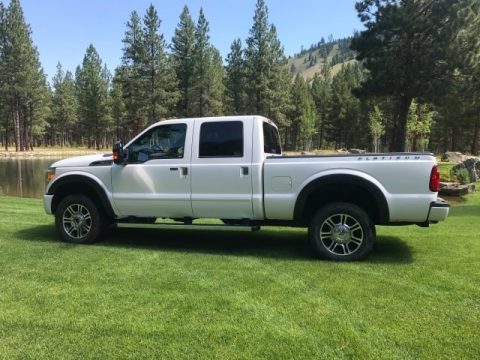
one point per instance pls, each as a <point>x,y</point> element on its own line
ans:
<point>222,227</point>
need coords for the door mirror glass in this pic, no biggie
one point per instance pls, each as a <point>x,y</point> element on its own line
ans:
<point>118,153</point>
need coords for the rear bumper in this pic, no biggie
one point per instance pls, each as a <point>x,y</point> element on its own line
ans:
<point>438,210</point>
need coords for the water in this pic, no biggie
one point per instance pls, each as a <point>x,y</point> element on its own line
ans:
<point>23,177</point>
<point>26,178</point>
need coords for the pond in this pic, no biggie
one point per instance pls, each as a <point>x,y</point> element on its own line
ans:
<point>23,177</point>
<point>26,178</point>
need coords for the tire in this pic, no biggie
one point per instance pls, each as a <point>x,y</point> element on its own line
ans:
<point>78,220</point>
<point>341,232</point>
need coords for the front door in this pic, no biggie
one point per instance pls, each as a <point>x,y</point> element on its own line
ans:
<point>155,182</point>
<point>221,169</point>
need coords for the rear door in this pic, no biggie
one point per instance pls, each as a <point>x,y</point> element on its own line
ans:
<point>221,169</point>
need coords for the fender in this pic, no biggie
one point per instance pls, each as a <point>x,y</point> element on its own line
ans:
<point>86,180</point>
<point>343,179</point>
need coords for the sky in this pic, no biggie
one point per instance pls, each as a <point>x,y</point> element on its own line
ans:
<point>63,29</point>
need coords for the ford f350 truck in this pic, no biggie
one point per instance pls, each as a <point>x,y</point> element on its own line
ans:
<point>232,168</point>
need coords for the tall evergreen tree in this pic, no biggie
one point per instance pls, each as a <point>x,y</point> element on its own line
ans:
<point>158,72</point>
<point>343,127</point>
<point>132,70</point>
<point>235,79</point>
<point>268,80</point>
<point>37,106</point>
<point>321,94</point>
<point>205,97</point>
<point>64,107</point>
<point>118,109</point>
<point>21,76</point>
<point>405,48</point>
<point>92,90</point>
<point>5,123</point>
<point>302,114</point>
<point>182,52</point>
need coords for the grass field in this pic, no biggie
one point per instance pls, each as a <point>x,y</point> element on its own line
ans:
<point>217,295</point>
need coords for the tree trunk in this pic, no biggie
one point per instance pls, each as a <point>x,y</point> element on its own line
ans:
<point>16,129</point>
<point>6,137</point>
<point>476,134</point>
<point>400,124</point>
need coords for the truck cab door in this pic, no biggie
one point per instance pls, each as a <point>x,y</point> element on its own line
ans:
<point>155,181</point>
<point>221,169</point>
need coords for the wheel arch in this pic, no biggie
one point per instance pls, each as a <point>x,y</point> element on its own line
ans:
<point>80,184</point>
<point>344,188</point>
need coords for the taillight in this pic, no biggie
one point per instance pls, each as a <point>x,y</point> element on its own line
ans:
<point>434,179</point>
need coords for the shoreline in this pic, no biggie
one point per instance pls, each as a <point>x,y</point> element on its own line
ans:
<point>49,153</point>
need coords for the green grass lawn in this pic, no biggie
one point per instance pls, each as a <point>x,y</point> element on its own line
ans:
<point>219,295</point>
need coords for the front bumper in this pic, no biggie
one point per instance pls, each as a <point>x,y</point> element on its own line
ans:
<point>438,210</point>
<point>47,203</point>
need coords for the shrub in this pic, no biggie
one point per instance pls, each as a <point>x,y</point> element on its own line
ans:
<point>462,175</point>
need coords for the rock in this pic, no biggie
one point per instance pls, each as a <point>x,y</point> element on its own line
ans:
<point>455,189</point>
<point>473,167</point>
<point>307,153</point>
<point>453,156</point>
<point>357,151</point>
<point>342,151</point>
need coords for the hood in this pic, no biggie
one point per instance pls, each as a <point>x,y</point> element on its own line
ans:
<point>87,160</point>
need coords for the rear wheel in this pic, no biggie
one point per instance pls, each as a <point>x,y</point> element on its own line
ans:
<point>78,220</point>
<point>341,231</point>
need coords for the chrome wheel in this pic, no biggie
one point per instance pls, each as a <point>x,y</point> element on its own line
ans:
<point>341,234</point>
<point>77,221</point>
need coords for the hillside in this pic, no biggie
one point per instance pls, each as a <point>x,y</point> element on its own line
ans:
<point>309,62</point>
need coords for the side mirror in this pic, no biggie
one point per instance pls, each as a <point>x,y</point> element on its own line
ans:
<point>118,154</point>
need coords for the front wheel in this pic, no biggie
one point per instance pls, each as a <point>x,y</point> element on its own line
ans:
<point>78,220</point>
<point>341,231</point>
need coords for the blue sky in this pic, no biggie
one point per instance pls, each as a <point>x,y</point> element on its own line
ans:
<point>62,29</point>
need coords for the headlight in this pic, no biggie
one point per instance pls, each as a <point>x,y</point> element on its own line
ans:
<point>49,175</point>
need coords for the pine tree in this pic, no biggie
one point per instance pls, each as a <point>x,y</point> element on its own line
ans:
<point>343,127</point>
<point>36,105</point>
<point>64,107</point>
<point>92,81</point>
<point>302,115</point>
<point>205,96</point>
<point>405,48</point>
<point>22,80</point>
<point>182,52</point>
<point>268,80</point>
<point>4,116</point>
<point>160,92</point>
<point>133,81</point>
<point>235,80</point>
<point>118,109</point>
<point>321,94</point>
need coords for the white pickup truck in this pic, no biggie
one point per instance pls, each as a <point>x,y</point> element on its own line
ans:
<point>232,168</point>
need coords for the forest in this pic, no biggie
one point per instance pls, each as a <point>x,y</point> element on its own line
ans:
<point>409,81</point>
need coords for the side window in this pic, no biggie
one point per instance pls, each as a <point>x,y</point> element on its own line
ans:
<point>161,142</point>
<point>271,142</point>
<point>221,139</point>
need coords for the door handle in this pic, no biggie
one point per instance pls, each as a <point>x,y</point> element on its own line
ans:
<point>244,170</point>
<point>173,169</point>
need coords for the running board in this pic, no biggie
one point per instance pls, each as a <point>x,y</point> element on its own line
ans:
<point>221,227</point>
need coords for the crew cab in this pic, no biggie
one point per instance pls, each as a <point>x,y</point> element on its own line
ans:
<point>232,168</point>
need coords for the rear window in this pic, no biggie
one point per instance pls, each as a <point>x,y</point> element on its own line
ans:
<point>221,139</point>
<point>271,142</point>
